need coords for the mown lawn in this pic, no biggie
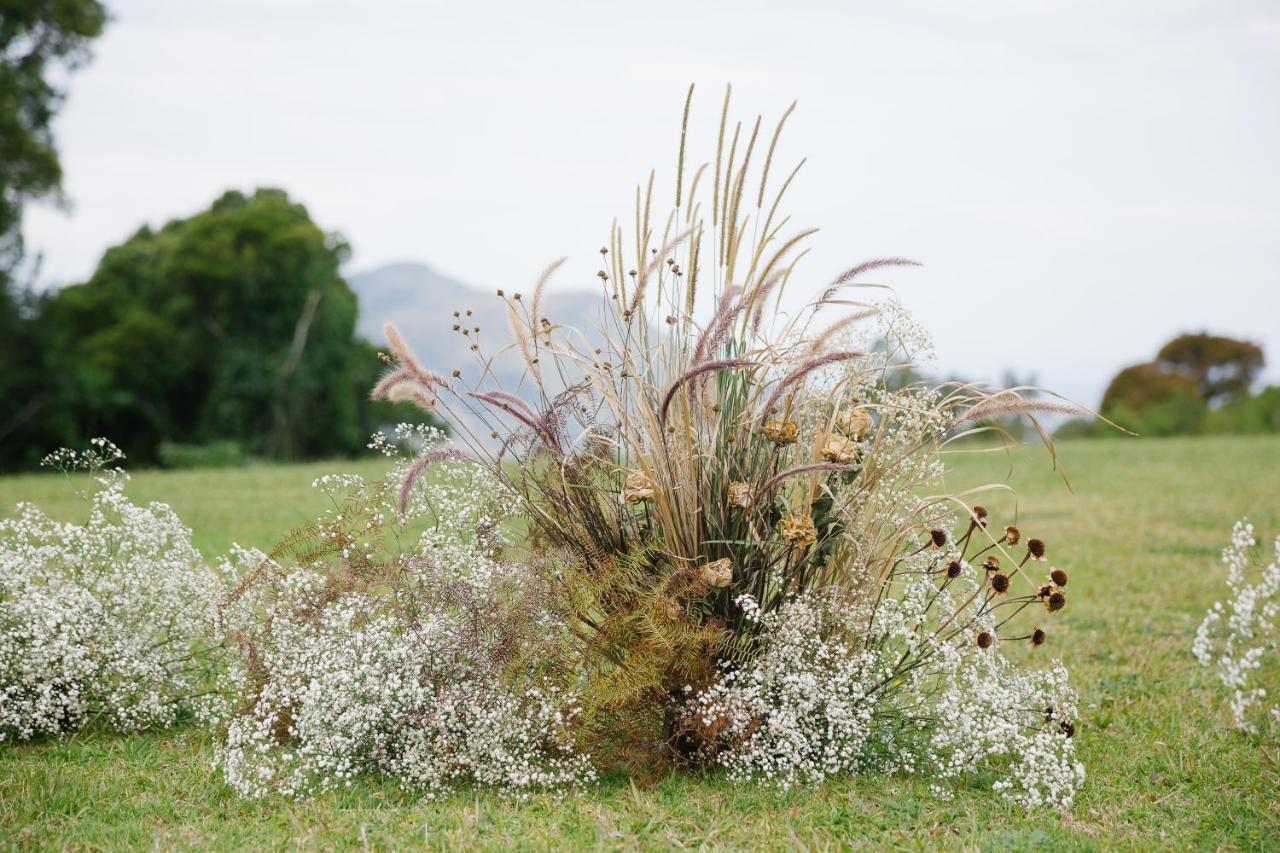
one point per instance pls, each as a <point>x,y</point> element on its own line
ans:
<point>1140,536</point>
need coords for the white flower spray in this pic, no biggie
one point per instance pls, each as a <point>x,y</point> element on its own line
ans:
<point>1236,639</point>
<point>105,621</point>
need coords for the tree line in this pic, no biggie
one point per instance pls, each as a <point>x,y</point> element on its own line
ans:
<point>1197,383</point>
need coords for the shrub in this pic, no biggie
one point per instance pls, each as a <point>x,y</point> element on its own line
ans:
<point>215,454</point>
<point>104,621</point>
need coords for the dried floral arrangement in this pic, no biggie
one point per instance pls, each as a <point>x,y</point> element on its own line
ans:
<point>1240,641</point>
<point>714,533</point>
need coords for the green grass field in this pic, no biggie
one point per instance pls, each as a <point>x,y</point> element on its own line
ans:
<point>1140,537</point>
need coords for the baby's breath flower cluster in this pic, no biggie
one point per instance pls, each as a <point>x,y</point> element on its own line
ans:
<point>1237,639</point>
<point>924,690</point>
<point>103,621</point>
<point>361,658</point>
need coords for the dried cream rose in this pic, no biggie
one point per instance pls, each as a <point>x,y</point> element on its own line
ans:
<point>781,431</point>
<point>837,448</point>
<point>798,529</point>
<point>638,487</point>
<point>739,494</point>
<point>855,423</point>
<point>718,573</point>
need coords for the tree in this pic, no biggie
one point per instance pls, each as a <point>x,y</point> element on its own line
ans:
<point>37,38</point>
<point>232,324</point>
<point>1141,386</point>
<point>1222,368</point>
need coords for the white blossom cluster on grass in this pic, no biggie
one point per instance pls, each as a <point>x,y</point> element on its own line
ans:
<point>414,665</point>
<point>105,620</point>
<point>1238,638</point>
<point>817,702</point>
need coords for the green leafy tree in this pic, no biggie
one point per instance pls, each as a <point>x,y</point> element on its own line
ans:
<point>232,324</point>
<point>39,40</point>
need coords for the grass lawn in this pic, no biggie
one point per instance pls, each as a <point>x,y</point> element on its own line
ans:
<point>1140,537</point>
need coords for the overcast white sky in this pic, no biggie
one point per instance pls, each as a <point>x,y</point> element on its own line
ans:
<point>1081,179</point>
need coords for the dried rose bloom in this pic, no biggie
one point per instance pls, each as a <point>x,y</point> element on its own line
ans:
<point>638,487</point>
<point>739,494</point>
<point>717,573</point>
<point>839,449</point>
<point>781,431</point>
<point>855,423</point>
<point>798,529</point>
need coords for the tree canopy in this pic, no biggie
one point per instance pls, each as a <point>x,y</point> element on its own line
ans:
<point>234,323</point>
<point>37,38</point>
<point>1197,383</point>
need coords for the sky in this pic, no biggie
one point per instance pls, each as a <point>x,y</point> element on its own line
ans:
<point>1080,180</point>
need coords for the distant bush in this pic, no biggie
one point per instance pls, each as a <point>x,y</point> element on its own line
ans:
<point>1257,414</point>
<point>1197,384</point>
<point>215,454</point>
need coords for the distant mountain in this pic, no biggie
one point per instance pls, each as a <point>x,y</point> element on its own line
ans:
<point>421,302</point>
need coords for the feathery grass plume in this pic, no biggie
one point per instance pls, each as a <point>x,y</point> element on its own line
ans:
<point>804,370</point>
<point>408,360</point>
<point>684,131</point>
<point>1004,405</point>
<point>848,276</point>
<point>535,308</point>
<point>773,143</point>
<point>694,373</point>
<point>415,470</point>
<point>729,306</point>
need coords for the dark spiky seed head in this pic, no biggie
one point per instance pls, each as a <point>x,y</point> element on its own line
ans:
<point>1059,577</point>
<point>938,536</point>
<point>500,291</point>
<point>1036,548</point>
<point>980,513</point>
<point>1012,535</point>
<point>991,563</point>
<point>1037,637</point>
<point>1068,729</point>
<point>1045,590</point>
<point>1056,601</point>
<point>604,250</point>
<point>457,374</point>
<point>1000,582</point>
<point>953,569</point>
<point>985,639</point>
